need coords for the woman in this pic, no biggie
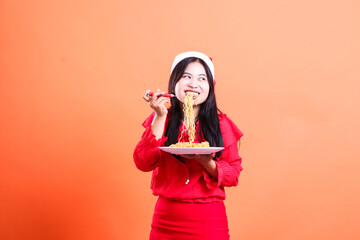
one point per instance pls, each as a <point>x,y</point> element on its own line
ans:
<point>190,187</point>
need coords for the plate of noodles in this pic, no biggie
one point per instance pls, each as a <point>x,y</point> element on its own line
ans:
<point>191,150</point>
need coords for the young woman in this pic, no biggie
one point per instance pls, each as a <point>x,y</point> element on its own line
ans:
<point>190,187</point>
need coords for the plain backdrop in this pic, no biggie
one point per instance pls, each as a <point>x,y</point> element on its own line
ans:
<point>71,78</point>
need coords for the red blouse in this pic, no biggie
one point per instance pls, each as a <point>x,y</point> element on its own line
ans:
<point>169,178</point>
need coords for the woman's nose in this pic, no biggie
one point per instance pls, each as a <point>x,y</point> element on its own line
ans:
<point>192,83</point>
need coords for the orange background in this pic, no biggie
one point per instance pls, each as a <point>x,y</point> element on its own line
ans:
<point>71,78</point>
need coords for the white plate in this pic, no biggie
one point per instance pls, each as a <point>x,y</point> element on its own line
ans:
<point>178,150</point>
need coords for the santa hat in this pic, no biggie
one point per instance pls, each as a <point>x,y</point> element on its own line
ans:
<point>200,55</point>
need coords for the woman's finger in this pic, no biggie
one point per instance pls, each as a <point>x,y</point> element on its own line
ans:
<point>162,100</point>
<point>155,96</point>
<point>145,95</point>
<point>157,93</point>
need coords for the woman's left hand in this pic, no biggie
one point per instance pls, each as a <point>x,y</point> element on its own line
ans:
<point>201,158</point>
<point>206,160</point>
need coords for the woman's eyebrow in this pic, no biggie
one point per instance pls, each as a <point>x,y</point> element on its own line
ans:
<point>201,74</point>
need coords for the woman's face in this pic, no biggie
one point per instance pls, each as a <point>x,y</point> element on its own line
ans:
<point>194,80</point>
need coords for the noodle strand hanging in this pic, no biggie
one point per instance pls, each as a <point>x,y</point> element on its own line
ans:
<point>189,122</point>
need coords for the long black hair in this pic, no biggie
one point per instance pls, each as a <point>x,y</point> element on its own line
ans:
<point>208,114</point>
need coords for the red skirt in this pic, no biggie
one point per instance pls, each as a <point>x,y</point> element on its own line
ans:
<point>189,221</point>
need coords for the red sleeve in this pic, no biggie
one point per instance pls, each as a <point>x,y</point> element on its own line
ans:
<point>147,154</point>
<point>230,132</point>
<point>229,163</point>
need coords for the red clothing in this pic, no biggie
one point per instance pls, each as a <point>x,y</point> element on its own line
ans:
<point>170,175</point>
<point>189,221</point>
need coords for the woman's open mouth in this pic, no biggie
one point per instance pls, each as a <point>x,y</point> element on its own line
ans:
<point>192,92</point>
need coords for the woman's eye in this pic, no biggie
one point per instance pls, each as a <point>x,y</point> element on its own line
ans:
<point>186,76</point>
<point>203,79</point>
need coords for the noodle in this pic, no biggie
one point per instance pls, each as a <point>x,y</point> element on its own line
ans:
<point>189,122</point>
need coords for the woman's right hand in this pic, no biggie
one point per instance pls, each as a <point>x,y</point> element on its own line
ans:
<point>157,103</point>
